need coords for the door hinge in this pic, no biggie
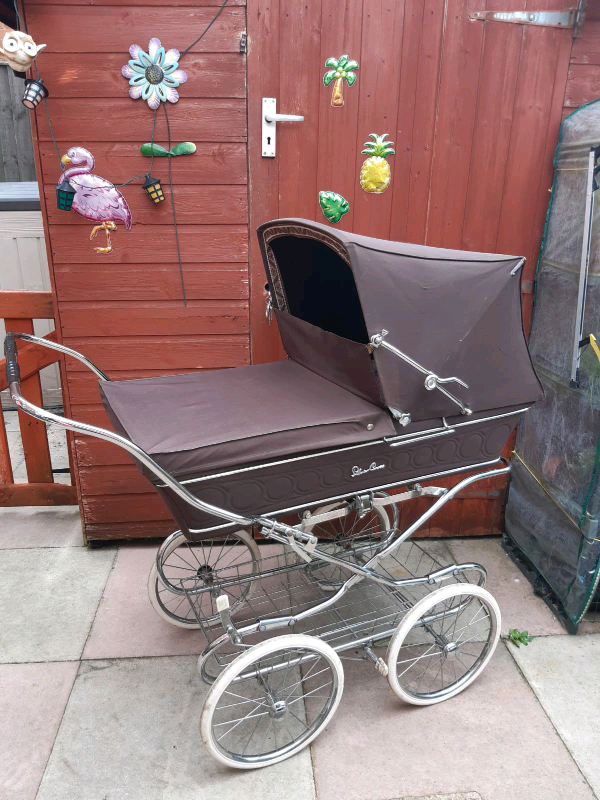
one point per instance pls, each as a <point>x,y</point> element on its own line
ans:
<point>571,19</point>
<point>243,42</point>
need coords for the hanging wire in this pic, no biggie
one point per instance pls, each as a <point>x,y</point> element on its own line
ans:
<point>173,207</point>
<point>210,24</point>
<point>20,25</point>
<point>62,166</point>
<point>152,142</point>
<point>138,177</point>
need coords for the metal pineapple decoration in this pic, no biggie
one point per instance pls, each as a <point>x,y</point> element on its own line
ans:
<point>375,172</point>
<point>343,70</point>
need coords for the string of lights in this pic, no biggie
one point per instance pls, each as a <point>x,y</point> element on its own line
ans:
<point>205,31</point>
<point>36,91</point>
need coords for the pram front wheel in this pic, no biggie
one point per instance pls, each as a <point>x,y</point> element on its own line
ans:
<point>220,654</point>
<point>443,644</point>
<point>203,566</point>
<point>272,701</point>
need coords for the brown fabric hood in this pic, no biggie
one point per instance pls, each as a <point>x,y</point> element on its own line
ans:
<point>458,314</point>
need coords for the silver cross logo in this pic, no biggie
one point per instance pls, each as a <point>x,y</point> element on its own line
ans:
<point>356,471</point>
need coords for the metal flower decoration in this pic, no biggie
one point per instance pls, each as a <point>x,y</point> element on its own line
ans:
<point>154,76</point>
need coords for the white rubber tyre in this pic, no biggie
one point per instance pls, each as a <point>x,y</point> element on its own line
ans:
<point>471,633</point>
<point>175,608</point>
<point>209,668</point>
<point>252,692</point>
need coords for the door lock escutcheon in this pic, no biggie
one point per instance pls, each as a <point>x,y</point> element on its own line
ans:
<point>270,118</point>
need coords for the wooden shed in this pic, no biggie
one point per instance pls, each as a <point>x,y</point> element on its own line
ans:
<point>472,102</point>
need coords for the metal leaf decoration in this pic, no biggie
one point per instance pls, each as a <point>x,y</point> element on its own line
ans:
<point>157,150</point>
<point>333,206</point>
<point>183,149</point>
<point>149,149</point>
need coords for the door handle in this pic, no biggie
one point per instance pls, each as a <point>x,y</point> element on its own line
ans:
<point>270,118</point>
<point>284,118</point>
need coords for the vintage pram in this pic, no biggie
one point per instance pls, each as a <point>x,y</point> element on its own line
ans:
<point>405,364</point>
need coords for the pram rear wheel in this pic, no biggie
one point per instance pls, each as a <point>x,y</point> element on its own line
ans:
<point>272,701</point>
<point>203,566</point>
<point>354,537</point>
<point>443,644</point>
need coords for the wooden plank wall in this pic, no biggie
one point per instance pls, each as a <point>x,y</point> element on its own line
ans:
<point>125,310</point>
<point>583,83</point>
<point>474,110</point>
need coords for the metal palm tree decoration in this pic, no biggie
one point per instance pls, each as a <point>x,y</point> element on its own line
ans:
<point>342,70</point>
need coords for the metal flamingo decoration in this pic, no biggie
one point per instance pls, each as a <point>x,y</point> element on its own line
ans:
<point>95,198</point>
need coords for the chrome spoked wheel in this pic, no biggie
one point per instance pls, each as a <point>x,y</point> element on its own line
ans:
<point>272,701</point>
<point>218,657</point>
<point>206,569</point>
<point>443,644</point>
<point>353,537</point>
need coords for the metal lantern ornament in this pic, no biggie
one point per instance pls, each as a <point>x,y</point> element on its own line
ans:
<point>154,189</point>
<point>34,93</point>
<point>64,195</point>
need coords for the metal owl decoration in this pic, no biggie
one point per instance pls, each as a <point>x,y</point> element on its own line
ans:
<point>17,48</point>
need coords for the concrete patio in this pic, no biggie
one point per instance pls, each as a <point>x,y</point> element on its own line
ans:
<point>101,699</point>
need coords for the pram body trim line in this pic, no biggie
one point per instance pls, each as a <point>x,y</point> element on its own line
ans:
<point>390,440</point>
<point>327,500</point>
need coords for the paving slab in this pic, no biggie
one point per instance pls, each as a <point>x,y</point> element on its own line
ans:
<point>17,456</point>
<point>131,732</point>
<point>126,624</point>
<point>32,526</point>
<point>48,598</point>
<point>589,624</point>
<point>493,739</point>
<point>57,442</point>
<point>520,607</point>
<point>453,796</point>
<point>32,701</point>
<point>11,421</point>
<point>563,672</point>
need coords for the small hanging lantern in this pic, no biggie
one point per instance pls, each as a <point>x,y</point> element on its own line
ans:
<point>64,195</point>
<point>34,93</point>
<point>154,189</point>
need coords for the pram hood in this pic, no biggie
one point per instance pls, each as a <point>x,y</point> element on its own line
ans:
<point>455,313</point>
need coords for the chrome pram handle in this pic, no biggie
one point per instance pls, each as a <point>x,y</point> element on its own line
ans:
<point>13,376</point>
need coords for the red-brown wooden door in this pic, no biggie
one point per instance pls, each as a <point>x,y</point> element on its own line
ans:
<point>473,108</point>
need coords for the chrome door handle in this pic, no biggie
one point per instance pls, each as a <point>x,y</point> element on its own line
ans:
<point>284,118</point>
<point>270,118</point>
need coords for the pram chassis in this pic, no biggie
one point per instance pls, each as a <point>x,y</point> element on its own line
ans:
<point>261,664</point>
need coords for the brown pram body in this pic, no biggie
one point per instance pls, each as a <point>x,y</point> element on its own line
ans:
<point>285,435</point>
<point>405,364</point>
